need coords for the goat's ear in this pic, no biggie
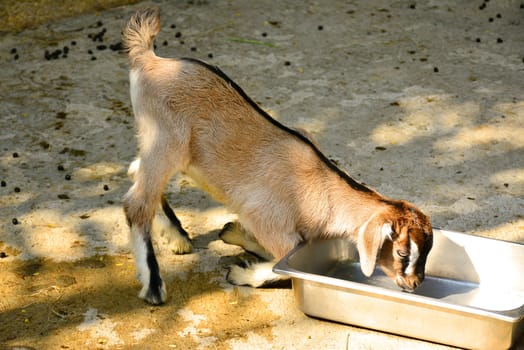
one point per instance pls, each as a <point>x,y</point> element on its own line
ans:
<point>369,242</point>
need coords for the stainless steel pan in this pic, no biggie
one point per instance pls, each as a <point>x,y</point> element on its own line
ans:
<point>472,297</point>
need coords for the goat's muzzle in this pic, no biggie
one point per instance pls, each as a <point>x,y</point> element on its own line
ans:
<point>410,282</point>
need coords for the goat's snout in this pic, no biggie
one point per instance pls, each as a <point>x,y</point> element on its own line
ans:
<point>409,282</point>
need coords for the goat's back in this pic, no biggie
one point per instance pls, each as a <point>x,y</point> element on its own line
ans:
<point>236,152</point>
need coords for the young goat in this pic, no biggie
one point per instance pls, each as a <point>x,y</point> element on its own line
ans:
<point>193,119</point>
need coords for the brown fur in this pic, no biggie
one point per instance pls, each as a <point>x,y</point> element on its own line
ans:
<point>191,119</point>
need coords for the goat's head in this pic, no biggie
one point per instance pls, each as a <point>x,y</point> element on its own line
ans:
<point>400,240</point>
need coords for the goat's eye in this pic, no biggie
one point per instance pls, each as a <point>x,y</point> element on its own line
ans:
<point>403,253</point>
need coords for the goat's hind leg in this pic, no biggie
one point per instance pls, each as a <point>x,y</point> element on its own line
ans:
<point>148,272</point>
<point>140,204</point>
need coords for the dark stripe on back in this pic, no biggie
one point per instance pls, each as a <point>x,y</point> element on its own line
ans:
<point>351,182</point>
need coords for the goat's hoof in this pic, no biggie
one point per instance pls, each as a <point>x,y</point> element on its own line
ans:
<point>156,295</point>
<point>232,233</point>
<point>255,275</point>
<point>181,245</point>
<point>178,242</point>
<point>244,275</point>
<point>237,276</point>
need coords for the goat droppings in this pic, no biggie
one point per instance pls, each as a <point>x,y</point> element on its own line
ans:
<point>15,221</point>
<point>14,52</point>
<point>117,46</point>
<point>52,55</point>
<point>98,36</point>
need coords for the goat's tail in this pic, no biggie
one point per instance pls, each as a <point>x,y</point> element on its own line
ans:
<point>140,33</point>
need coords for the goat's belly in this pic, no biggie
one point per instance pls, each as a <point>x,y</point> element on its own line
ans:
<point>216,193</point>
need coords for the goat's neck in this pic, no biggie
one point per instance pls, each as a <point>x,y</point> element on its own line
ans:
<point>351,208</point>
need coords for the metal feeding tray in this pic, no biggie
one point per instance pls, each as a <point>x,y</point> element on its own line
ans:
<point>472,297</point>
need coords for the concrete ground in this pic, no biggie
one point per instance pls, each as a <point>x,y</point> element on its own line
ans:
<point>422,100</point>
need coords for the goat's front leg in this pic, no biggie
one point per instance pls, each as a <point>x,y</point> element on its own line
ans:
<point>259,274</point>
<point>179,240</point>
<point>234,233</point>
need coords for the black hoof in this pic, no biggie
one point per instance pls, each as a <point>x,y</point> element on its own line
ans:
<point>154,298</point>
<point>155,294</point>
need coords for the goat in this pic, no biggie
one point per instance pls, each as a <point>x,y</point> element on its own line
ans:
<point>192,119</point>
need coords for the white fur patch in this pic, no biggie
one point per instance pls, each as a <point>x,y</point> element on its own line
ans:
<point>254,275</point>
<point>133,168</point>
<point>140,251</point>
<point>142,268</point>
<point>413,258</point>
<point>386,231</point>
<point>134,87</point>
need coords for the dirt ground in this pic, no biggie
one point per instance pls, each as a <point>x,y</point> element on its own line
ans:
<point>422,100</point>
